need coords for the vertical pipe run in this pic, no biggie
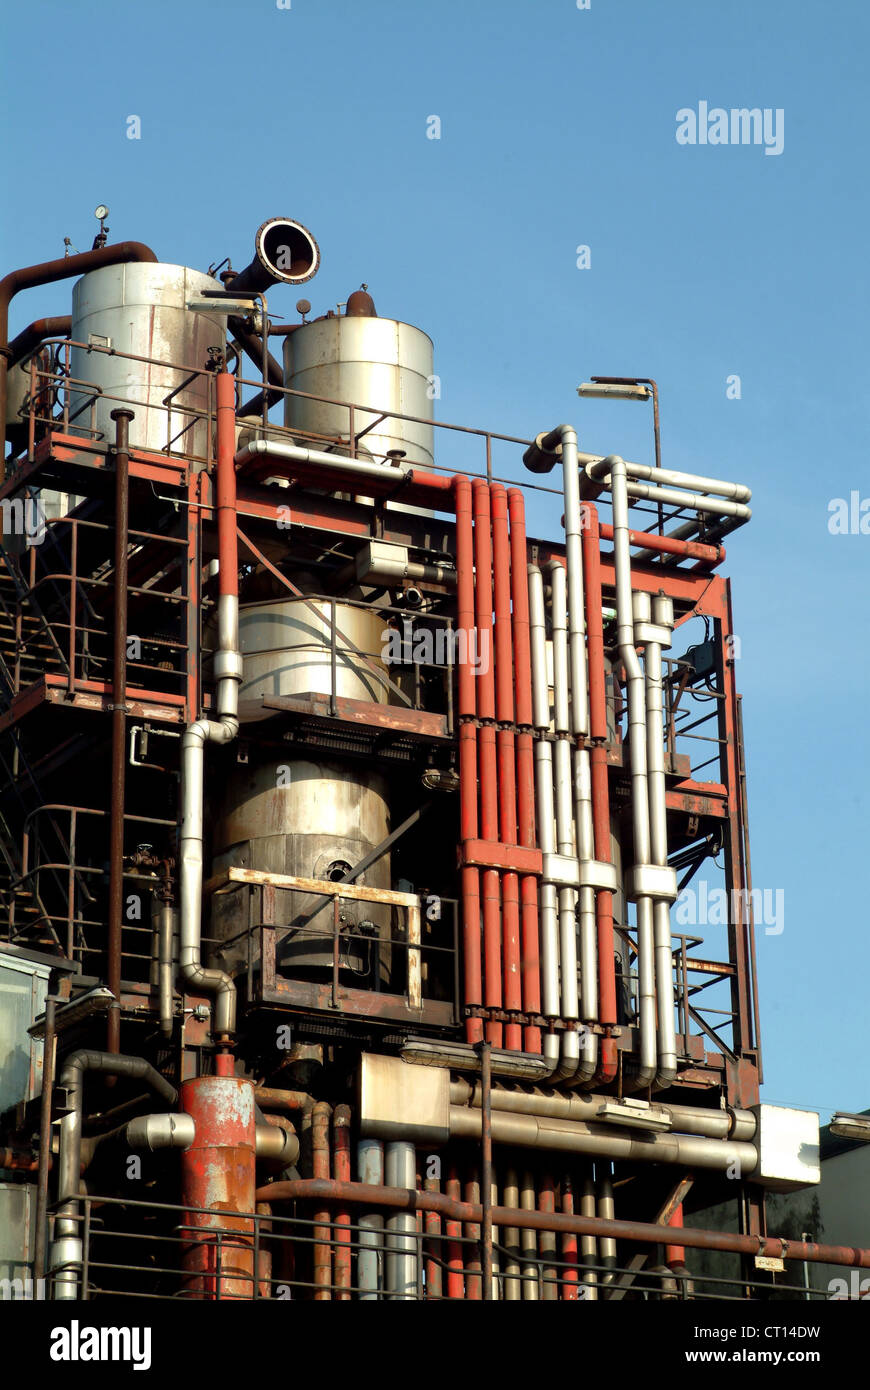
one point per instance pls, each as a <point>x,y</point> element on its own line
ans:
<point>341,1160</point>
<point>608,1061</point>
<point>453,1232</point>
<point>49,1044</point>
<point>400,1170</point>
<point>507,769</point>
<point>370,1167</point>
<point>569,1245</point>
<point>549,1275</point>
<point>638,753</point>
<point>588,1244</point>
<point>322,1231</point>
<point>663,616</point>
<point>122,418</point>
<point>529,1243</point>
<point>486,1164</point>
<point>487,758</point>
<point>550,993</point>
<point>466,713</point>
<point>525,765</point>
<point>607,1212</point>
<point>510,1238</point>
<point>473,1258</point>
<point>570,1003</point>
<point>434,1245</point>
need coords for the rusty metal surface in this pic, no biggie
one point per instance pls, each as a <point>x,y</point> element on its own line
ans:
<point>218,1173</point>
<point>401,1199</point>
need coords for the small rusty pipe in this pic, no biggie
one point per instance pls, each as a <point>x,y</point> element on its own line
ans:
<point>320,1118</point>
<point>409,1200</point>
<point>341,1160</point>
<point>36,333</point>
<point>276,1099</point>
<point>46,273</point>
<point>122,418</point>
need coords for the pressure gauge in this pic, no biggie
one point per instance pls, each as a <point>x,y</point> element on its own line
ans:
<point>101,212</point>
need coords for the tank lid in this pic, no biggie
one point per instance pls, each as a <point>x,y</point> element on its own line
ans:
<point>360,305</point>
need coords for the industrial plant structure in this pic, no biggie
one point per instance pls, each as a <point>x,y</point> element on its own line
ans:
<point>342,821</point>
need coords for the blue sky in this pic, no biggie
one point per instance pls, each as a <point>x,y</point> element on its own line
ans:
<point>558,129</point>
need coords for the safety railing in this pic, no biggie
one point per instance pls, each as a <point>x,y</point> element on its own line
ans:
<point>138,1250</point>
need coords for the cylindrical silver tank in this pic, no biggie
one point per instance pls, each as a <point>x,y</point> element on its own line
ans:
<point>140,309</point>
<point>286,650</point>
<point>372,362</point>
<point>313,820</point>
<point>296,816</point>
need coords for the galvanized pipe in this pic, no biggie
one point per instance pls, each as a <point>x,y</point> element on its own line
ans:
<point>588,1241</point>
<point>739,1125</point>
<point>567,897</point>
<point>223,729</point>
<point>370,1167</point>
<point>638,753</point>
<point>66,1248</point>
<point>566,1136</point>
<point>550,995</point>
<point>663,617</point>
<point>596,467</point>
<point>400,1170</point>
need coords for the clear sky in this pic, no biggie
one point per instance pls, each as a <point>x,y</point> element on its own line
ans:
<point>558,129</point>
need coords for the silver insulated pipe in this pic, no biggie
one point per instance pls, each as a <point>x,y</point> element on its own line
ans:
<point>550,999</point>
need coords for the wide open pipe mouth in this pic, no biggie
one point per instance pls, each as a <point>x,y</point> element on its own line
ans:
<point>285,252</point>
<point>288,250</point>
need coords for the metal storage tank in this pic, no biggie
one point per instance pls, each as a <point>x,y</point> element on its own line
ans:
<point>285,647</point>
<point>297,816</point>
<point>370,361</point>
<point>139,308</point>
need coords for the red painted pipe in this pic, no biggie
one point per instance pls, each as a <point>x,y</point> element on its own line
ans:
<point>711,555</point>
<point>507,769</point>
<point>341,1159</point>
<point>473,1267</point>
<point>322,1231</point>
<point>525,764</point>
<point>467,710</point>
<point>675,1255</point>
<point>570,1276</point>
<point>455,1275</point>
<point>608,1060</point>
<point>432,1227</point>
<point>487,759</point>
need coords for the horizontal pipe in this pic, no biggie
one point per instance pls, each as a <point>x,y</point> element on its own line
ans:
<point>644,1233</point>
<point>714,1124</point>
<point>596,467</point>
<point>601,1140</point>
<point>705,554</point>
